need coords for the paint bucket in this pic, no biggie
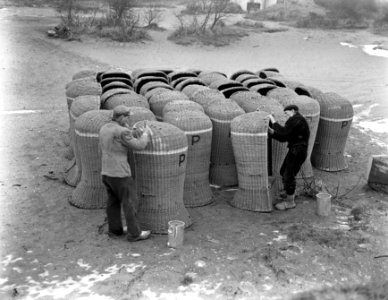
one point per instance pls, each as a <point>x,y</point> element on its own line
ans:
<point>323,204</point>
<point>176,230</point>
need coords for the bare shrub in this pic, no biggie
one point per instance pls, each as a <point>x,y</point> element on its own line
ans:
<point>152,15</point>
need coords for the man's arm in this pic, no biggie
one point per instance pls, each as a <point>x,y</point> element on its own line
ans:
<point>282,133</point>
<point>135,143</point>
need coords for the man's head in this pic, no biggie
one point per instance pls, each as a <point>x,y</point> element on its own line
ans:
<point>121,114</point>
<point>291,110</point>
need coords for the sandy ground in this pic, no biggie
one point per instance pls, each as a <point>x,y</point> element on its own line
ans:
<point>51,250</point>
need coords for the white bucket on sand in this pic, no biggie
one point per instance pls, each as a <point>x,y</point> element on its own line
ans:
<point>176,230</point>
<point>323,204</point>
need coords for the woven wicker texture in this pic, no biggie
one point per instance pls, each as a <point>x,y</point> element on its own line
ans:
<point>243,77</point>
<point>85,73</point>
<point>263,88</point>
<point>309,108</point>
<point>207,96</point>
<point>116,85</point>
<point>249,140</point>
<point>271,69</point>
<point>90,191</point>
<point>106,81</point>
<point>254,81</point>
<point>198,130</point>
<point>267,73</point>
<point>190,90</point>
<point>157,102</point>
<point>240,72</point>
<point>81,87</point>
<point>223,84</point>
<point>179,74</point>
<point>139,82</point>
<point>105,96</point>
<point>127,100</point>
<point>281,93</point>
<point>209,77</point>
<point>137,114</point>
<point>223,168</point>
<point>149,86</point>
<point>334,125</point>
<point>79,106</point>
<point>79,82</point>
<point>292,84</point>
<point>160,176</point>
<point>195,71</point>
<point>146,73</point>
<point>250,102</point>
<point>157,90</point>
<point>115,73</point>
<point>312,91</point>
<point>232,90</point>
<point>189,81</point>
<point>178,81</point>
<point>182,105</point>
<point>277,82</point>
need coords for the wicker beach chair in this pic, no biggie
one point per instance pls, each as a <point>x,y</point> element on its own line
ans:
<point>207,96</point>
<point>157,102</point>
<point>81,87</point>
<point>79,106</point>
<point>139,73</point>
<point>236,74</point>
<point>251,102</point>
<point>85,73</point>
<point>160,176</point>
<point>334,125</point>
<point>262,88</point>
<point>149,86</point>
<point>157,90</point>
<point>90,192</point>
<point>180,74</point>
<point>190,90</point>
<point>209,77</point>
<point>249,140</point>
<point>189,81</point>
<point>243,77</point>
<point>281,93</point>
<point>139,82</point>
<point>129,99</point>
<point>222,167</point>
<point>115,85</point>
<point>198,130</point>
<point>182,105</point>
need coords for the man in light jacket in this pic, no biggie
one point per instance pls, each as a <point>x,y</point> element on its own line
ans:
<point>116,138</point>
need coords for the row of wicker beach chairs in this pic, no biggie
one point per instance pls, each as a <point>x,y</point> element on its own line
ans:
<point>208,129</point>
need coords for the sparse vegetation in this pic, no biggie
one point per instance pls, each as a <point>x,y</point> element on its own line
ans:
<point>112,19</point>
<point>202,21</point>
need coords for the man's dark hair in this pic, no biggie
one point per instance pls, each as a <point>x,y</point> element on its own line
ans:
<point>291,107</point>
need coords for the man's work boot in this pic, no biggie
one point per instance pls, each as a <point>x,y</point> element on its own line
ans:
<point>143,236</point>
<point>288,203</point>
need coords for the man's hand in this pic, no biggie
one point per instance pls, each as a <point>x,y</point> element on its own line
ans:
<point>147,130</point>
<point>271,118</point>
<point>270,131</point>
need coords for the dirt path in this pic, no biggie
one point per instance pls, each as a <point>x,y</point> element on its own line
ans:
<point>51,250</point>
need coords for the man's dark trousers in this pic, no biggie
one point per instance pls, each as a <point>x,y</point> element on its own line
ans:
<point>291,165</point>
<point>121,191</point>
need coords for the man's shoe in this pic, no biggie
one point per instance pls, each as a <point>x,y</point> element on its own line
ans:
<point>143,236</point>
<point>115,233</point>
<point>289,203</point>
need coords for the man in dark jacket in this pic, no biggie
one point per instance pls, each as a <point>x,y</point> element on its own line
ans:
<point>116,139</point>
<point>296,132</point>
